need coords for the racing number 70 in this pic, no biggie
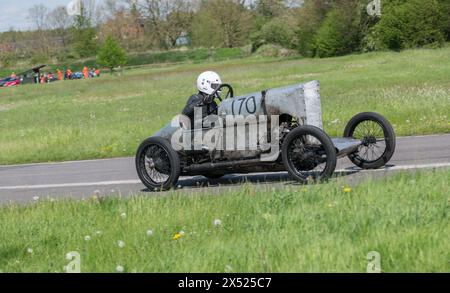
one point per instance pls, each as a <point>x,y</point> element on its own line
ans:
<point>250,105</point>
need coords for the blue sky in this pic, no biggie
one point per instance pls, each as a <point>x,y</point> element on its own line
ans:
<point>13,13</point>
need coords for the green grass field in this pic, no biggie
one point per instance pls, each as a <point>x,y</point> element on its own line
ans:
<point>317,228</point>
<point>110,116</point>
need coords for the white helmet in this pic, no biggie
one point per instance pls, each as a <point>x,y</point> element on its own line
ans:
<point>208,82</point>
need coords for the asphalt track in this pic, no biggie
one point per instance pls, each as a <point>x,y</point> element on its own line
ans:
<point>82,179</point>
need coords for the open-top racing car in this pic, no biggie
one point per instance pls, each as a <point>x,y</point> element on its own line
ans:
<point>289,137</point>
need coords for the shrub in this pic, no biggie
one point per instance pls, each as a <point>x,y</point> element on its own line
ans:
<point>111,54</point>
<point>411,24</point>
<point>271,50</point>
<point>8,60</point>
<point>277,31</point>
<point>339,33</point>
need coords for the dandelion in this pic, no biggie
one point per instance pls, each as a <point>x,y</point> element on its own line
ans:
<point>123,215</point>
<point>182,233</point>
<point>217,223</point>
<point>120,269</point>
<point>121,244</point>
<point>87,238</point>
<point>94,198</point>
<point>35,198</point>
<point>347,189</point>
<point>177,236</point>
<point>30,250</point>
<point>149,233</point>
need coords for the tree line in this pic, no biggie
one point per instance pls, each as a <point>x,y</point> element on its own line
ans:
<point>320,28</point>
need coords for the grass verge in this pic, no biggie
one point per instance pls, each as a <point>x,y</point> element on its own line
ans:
<point>321,228</point>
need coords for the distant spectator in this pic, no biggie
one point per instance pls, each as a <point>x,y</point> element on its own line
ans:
<point>13,75</point>
<point>60,74</point>
<point>97,72</point>
<point>86,72</point>
<point>68,73</point>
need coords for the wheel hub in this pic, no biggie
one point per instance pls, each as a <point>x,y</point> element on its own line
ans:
<point>369,140</point>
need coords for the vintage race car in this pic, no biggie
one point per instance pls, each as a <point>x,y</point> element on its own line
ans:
<point>287,130</point>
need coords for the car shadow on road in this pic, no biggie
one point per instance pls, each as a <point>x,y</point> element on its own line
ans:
<point>199,182</point>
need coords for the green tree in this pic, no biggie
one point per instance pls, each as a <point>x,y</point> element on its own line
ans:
<point>340,31</point>
<point>411,24</point>
<point>310,17</point>
<point>270,8</point>
<point>222,23</point>
<point>84,35</point>
<point>111,54</point>
<point>277,31</point>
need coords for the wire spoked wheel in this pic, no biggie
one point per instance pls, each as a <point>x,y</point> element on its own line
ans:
<point>308,154</point>
<point>157,164</point>
<point>377,140</point>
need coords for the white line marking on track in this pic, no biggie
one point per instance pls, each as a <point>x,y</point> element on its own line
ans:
<point>133,181</point>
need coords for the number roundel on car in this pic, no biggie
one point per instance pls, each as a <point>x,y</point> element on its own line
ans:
<point>249,105</point>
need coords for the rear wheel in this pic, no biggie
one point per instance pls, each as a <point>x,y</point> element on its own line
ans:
<point>308,153</point>
<point>377,140</point>
<point>157,164</point>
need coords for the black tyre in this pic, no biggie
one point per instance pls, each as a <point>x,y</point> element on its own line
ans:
<point>308,152</point>
<point>377,137</point>
<point>157,164</point>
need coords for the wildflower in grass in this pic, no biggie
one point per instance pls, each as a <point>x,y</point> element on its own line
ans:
<point>228,269</point>
<point>98,233</point>
<point>120,269</point>
<point>30,250</point>
<point>35,198</point>
<point>97,192</point>
<point>332,205</point>
<point>177,236</point>
<point>217,223</point>
<point>121,244</point>
<point>347,189</point>
<point>123,215</point>
<point>87,238</point>
<point>268,217</point>
<point>94,198</point>
<point>150,233</point>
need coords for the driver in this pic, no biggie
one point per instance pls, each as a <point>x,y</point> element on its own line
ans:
<point>207,83</point>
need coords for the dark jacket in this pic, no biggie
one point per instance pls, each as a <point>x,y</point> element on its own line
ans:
<point>198,100</point>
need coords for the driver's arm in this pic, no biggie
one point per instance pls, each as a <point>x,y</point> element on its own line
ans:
<point>193,102</point>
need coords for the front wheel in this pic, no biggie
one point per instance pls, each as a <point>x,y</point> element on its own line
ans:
<point>309,153</point>
<point>377,140</point>
<point>157,164</point>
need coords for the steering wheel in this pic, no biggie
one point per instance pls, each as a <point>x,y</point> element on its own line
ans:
<point>229,95</point>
